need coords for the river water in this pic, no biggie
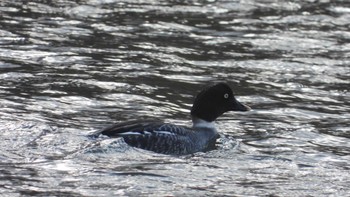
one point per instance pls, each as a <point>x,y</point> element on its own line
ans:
<point>69,68</point>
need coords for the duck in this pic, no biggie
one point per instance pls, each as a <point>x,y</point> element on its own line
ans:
<point>171,139</point>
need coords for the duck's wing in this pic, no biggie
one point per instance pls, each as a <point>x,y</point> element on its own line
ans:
<point>131,128</point>
<point>120,129</point>
<point>141,128</point>
<point>154,136</point>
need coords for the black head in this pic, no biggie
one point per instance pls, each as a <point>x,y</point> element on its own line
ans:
<point>212,102</point>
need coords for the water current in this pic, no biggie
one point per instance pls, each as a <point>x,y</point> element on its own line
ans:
<point>69,68</point>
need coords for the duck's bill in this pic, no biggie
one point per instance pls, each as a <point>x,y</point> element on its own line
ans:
<point>237,106</point>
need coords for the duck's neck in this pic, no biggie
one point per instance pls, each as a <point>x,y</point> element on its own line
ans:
<point>200,123</point>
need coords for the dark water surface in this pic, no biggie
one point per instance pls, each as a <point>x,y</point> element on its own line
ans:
<point>68,68</point>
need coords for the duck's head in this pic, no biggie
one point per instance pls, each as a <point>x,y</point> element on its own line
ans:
<point>215,100</point>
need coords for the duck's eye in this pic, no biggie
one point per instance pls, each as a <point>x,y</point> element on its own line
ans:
<point>226,96</point>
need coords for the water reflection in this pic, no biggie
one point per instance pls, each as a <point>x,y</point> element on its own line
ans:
<point>69,68</point>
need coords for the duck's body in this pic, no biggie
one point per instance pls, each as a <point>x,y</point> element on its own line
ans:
<point>165,138</point>
<point>178,140</point>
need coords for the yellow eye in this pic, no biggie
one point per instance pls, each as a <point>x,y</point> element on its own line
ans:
<point>226,96</point>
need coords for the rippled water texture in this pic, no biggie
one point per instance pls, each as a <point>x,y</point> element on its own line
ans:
<point>68,68</point>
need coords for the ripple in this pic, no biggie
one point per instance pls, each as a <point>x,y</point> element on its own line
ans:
<point>69,68</point>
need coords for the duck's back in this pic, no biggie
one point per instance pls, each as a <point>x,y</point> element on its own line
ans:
<point>160,137</point>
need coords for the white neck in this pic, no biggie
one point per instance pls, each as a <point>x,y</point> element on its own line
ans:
<point>200,123</point>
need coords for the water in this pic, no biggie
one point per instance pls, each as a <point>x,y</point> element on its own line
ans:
<point>69,68</point>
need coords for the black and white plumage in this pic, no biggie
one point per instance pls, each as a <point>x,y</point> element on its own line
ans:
<point>178,140</point>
